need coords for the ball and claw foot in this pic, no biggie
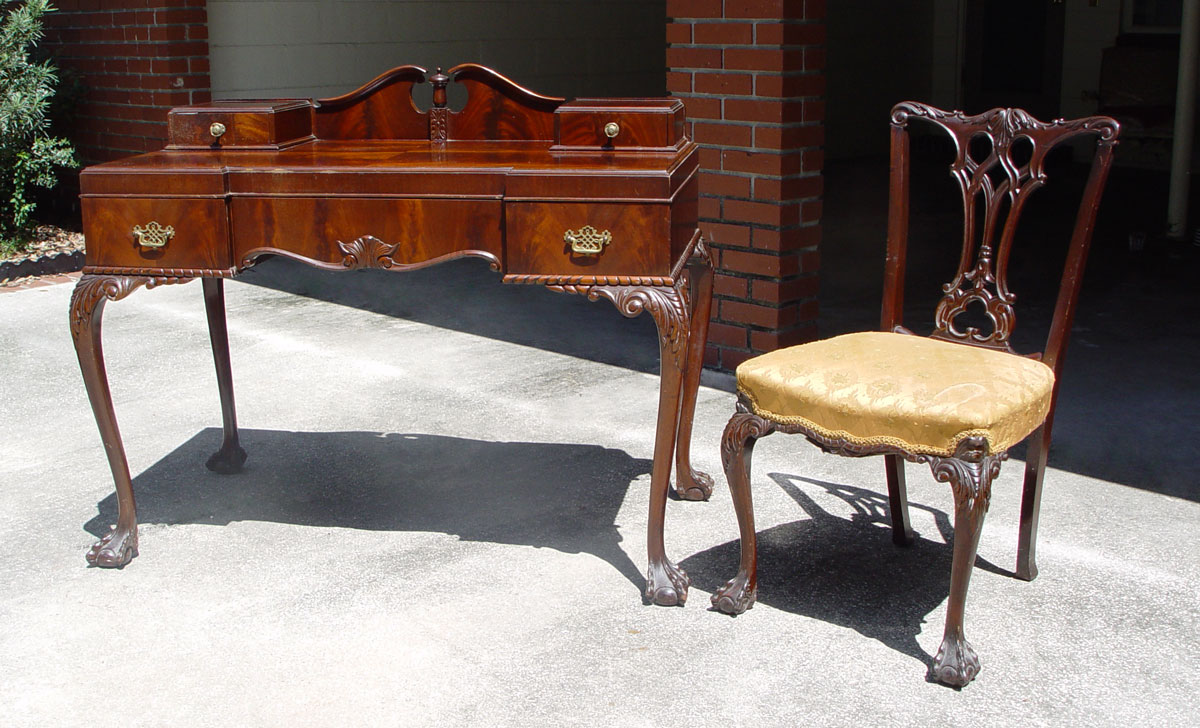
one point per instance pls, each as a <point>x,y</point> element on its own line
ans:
<point>956,663</point>
<point>698,487</point>
<point>114,550</point>
<point>227,461</point>
<point>666,584</point>
<point>735,598</point>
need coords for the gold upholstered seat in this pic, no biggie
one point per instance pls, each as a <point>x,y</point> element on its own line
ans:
<point>957,400</point>
<point>912,393</point>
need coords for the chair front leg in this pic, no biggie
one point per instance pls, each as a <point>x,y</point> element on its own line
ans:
<point>970,473</point>
<point>737,449</point>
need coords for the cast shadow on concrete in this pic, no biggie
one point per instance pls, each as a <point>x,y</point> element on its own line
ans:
<point>846,571</point>
<point>562,496</point>
<point>465,295</point>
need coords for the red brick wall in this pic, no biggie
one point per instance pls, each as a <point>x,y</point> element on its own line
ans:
<point>751,73</point>
<point>137,59</point>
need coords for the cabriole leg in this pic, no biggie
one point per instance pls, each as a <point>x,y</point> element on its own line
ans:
<point>692,484</point>
<point>231,456</point>
<point>970,473</point>
<point>737,448</point>
<point>666,583</point>
<point>118,547</point>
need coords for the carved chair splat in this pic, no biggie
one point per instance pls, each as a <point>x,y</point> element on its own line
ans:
<point>957,400</point>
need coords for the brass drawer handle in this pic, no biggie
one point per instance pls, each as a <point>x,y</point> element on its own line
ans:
<point>587,240</point>
<point>153,235</point>
<point>216,129</point>
<point>612,129</point>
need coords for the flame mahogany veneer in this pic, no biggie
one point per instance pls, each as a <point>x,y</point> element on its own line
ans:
<point>369,180</point>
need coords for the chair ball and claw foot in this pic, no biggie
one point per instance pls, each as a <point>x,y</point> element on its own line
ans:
<point>697,486</point>
<point>956,663</point>
<point>116,549</point>
<point>666,584</point>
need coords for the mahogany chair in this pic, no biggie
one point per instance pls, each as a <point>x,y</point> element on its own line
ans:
<point>956,400</point>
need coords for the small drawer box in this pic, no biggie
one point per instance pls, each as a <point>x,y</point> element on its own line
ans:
<point>240,125</point>
<point>620,124</point>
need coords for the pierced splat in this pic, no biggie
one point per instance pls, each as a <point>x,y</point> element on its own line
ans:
<point>1000,158</point>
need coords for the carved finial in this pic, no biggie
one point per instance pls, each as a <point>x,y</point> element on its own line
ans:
<point>439,115</point>
<point>439,81</point>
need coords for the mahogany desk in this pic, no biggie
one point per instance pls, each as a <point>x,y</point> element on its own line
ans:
<point>595,197</point>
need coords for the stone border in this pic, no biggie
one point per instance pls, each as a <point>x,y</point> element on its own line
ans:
<point>50,279</point>
<point>61,262</point>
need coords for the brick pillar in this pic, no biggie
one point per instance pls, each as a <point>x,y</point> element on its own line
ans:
<point>751,73</point>
<point>137,59</point>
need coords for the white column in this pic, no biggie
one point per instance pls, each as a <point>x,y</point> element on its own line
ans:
<point>1185,121</point>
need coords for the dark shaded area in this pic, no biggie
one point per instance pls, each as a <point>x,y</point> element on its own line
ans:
<point>1131,386</point>
<point>551,495</point>
<point>465,295</point>
<point>1028,35</point>
<point>845,571</point>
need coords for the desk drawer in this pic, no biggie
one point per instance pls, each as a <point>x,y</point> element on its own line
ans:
<point>624,239</point>
<point>326,231</point>
<point>176,233</point>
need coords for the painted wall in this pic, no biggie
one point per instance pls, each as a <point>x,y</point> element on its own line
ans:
<point>316,48</point>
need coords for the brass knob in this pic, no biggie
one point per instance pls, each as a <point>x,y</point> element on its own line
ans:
<point>216,129</point>
<point>611,129</point>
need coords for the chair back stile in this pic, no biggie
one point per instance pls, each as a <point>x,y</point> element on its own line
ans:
<point>1081,241</point>
<point>897,230</point>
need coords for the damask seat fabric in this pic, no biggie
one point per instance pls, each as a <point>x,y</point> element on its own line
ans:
<point>909,392</point>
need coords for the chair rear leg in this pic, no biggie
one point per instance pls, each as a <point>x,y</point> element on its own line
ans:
<point>902,533</point>
<point>737,448</point>
<point>1031,502</point>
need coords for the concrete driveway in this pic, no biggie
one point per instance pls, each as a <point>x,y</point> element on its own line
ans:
<point>442,522</point>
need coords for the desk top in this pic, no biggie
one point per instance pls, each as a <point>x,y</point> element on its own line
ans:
<point>514,170</point>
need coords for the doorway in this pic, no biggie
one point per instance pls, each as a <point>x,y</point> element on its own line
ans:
<point>1013,55</point>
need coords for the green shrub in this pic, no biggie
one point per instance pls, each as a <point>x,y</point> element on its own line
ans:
<point>28,154</point>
